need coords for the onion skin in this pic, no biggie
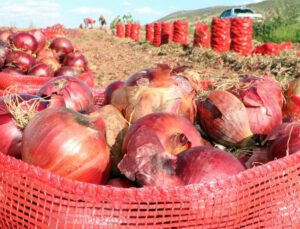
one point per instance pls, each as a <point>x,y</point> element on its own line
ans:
<point>111,88</point>
<point>76,60</point>
<point>284,140</point>
<point>291,109</point>
<point>68,144</point>
<point>120,183</point>
<point>41,70</point>
<point>62,46</point>
<point>67,71</point>
<point>75,93</point>
<point>5,35</point>
<point>25,42</point>
<point>203,164</point>
<point>40,38</point>
<point>224,118</point>
<point>155,91</point>
<point>46,52</point>
<point>3,53</point>
<point>175,133</point>
<point>20,60</point>
<point>51,62</point>
<point>264,111</point>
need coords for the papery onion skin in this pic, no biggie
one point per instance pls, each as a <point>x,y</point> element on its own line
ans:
<point>203,164</point>
<point>25,42</point>
<point>111,88</point>
<point>21,60</point>
<point>175,133</point>
<point>51,62</point>
<point>291,109</point>
<point>41,70</point>
<point>224,118</point>
<point>67,71</point>
<point>5,35</point>
<point>152,91</point>
<point>46,52</point>
<point>40,38</point>
<point>62,46</point>
<point>284,140</point>
<point>68,144</point>
<point>75,93</point>
<point>76,60</point>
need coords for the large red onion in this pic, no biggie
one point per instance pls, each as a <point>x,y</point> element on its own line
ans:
<point>284,140</point>
<point>51,62</point>
<point>76,60</point>
<point>20,60</point>
<point>110,90</point>
<point>74,92</point>
<point>155,90</point>
<point>5,35</point>
<point>203,164</point>
<point>14,113</point>
<point>25,42</point>
<point>67,71</point>
<point>41,70</point>
<point>224,118</point>
<point>291,109</point>
<point>40,38</point>
<point>67,143</point>
<point>264,111</point>
<point>62,46</point>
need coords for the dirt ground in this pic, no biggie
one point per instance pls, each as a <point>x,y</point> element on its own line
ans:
<point>112,58</point>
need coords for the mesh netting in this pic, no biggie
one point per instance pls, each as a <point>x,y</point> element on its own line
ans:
<point>263,197</point>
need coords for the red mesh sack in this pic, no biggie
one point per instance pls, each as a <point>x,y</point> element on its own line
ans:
<point>166,32</point>
<point>135,32</point>
<point>267,196</point>
<point>53,31</point>
<point>150,32</point>
<point>157,34</point>
<point>120,30</point>
<point>202,35</point>
<point>181,32</point>
<point>31,84</point>
<point>220,38</point>
<point>128,30</point>
<point>272,49</point>
<point>241,35</point>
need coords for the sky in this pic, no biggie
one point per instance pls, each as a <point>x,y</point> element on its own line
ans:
<point>70,13</point>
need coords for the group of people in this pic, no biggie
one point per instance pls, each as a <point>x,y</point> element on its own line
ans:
<point>89,23</point>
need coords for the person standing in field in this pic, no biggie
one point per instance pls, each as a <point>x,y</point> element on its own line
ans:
<point>88,22</point>
<point>102,21</point>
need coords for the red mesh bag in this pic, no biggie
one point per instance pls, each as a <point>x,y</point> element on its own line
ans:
<point>157,34</point>
<point>181,32</point>
<point>135,32</point>
<point>263,197</point>
<point>166,32</point>
<point>220,37</point>
<point>120,30</point>
<point>53,31</point>
<point>150,32</point>
<point>128,30</point>
<point>31,84</point>
<point>202,35</point>
<point>241,35</point>
<point>272,49</point>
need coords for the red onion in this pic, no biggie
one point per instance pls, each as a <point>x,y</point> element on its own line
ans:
<point>40,38</point>
<point>110,90</point>
<point>203,164</point>
<point>3,53</point>
<point>15,112</point>
<point>75,93</point>
<point>5,35</point>
<point>120,183</point>
<point>224,118</point>
<point>67,143</point>
<point>20,60</point>
<point>25,42</point>
<point>76,60</point>
<point>291,109</point>
<point>67,71</point>
<point>62,46</point>
<point>264,111</point>
<point>155,91</point>
<point>51,62</point>
<point>41,70</point>
<point>284,140</point>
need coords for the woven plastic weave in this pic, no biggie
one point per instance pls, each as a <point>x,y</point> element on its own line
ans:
<point>264,197</point>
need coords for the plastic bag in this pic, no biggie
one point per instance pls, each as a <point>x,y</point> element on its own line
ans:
<point>128,30</point>
<point>166,32</point>
<point>272,49</point>
<point>157,34</point>
<point>120,30</point>
<point>135,32</point>
<point>202,35</point>
<point>181,32</point>
<point>150,33</point>
<point>220,38</point>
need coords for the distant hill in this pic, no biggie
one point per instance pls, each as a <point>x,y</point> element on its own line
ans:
<point>268,8</point>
